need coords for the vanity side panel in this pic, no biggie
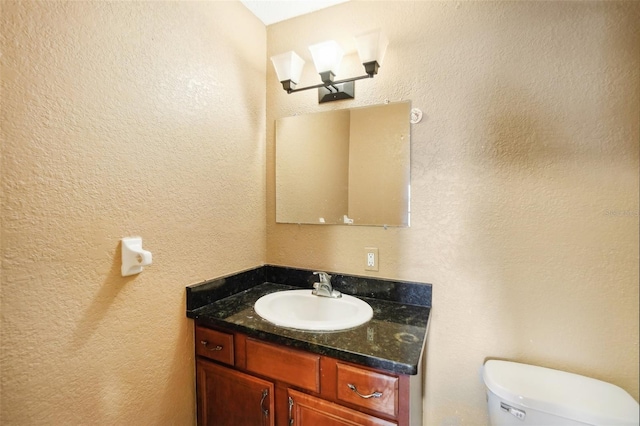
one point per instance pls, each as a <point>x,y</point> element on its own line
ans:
<point>240,346</point>
<point>328,379</point>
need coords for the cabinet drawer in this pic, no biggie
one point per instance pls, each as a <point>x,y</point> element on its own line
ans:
<point>367,389</point>
<point>214,345</point>
<point>295,368</point>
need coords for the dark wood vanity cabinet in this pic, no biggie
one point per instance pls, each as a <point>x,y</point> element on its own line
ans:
<point>242,381</point>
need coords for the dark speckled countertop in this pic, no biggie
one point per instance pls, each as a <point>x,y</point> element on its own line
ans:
<point>393,340</point>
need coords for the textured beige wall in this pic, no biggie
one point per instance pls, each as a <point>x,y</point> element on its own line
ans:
<point>524,182</point>
<point>120,119</point>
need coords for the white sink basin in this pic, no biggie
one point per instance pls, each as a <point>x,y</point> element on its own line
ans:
<point>302,310</point>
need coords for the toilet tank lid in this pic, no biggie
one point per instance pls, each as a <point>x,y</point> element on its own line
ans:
<point>560,393</point>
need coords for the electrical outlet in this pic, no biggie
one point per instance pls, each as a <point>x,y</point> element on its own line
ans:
<point>370,259</point>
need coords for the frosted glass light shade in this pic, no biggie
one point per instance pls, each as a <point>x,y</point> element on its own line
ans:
<point>372,46</point>
<point>327,56</point>
<point>288,66</point>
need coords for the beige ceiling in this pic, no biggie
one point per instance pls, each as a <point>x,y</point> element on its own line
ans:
<point>272,11</point>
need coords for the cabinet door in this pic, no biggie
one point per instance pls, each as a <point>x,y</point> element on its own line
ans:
<point>307,410</point>
<point>230,398</point>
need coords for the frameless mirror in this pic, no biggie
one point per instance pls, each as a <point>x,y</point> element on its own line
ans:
<point>348,166</point>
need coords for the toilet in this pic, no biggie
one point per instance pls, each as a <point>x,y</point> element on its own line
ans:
<point>527,395</point>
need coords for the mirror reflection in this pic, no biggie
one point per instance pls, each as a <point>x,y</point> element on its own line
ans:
<point>348,166</point>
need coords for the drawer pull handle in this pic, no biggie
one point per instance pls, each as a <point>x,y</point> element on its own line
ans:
<point>265,411</point>
<point>373,395</point>
<point>290,411</point>
<point>213,348</point>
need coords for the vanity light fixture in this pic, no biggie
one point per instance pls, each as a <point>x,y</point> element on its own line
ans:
<point>327,57</point>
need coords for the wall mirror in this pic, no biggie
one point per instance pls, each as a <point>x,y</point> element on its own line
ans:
<point>347,167</point>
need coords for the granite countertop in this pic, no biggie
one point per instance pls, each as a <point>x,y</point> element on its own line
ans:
<point>392,340</point>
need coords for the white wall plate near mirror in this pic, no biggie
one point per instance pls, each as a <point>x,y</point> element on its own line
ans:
<point>348,166</point>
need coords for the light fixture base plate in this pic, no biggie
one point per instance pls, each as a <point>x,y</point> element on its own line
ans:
<point>330,94</point>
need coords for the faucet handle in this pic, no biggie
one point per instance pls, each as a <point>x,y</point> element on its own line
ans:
<point>324,277</point>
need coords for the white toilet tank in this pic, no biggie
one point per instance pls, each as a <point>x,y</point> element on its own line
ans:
<point>527,395</point>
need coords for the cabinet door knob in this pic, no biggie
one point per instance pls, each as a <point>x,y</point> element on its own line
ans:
<point>355,389</point>
<point>212,348</point>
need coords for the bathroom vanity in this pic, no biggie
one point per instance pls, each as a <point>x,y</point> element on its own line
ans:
<point>251,372</point>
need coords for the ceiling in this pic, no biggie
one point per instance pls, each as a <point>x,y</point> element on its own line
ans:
<point>272,11</point>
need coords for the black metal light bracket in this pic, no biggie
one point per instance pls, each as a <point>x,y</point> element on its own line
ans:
<point>330,90</point>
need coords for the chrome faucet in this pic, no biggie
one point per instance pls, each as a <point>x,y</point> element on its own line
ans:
<point>324,288</point>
